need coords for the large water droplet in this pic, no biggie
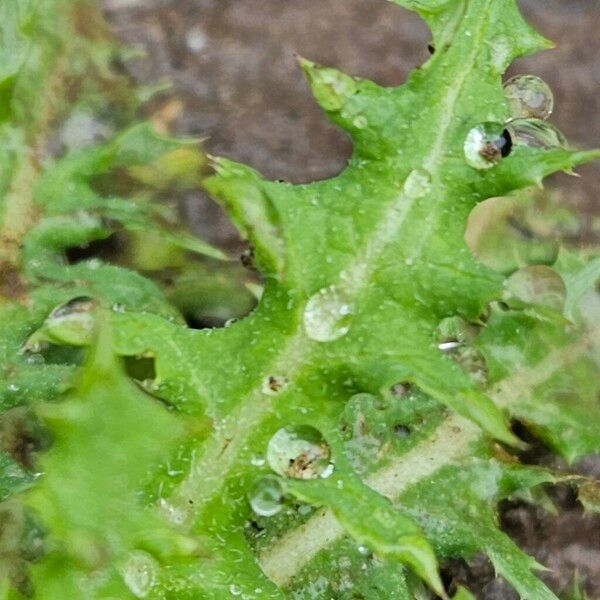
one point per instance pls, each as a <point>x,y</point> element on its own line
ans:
<point>486,145</point>
<point>266,496</point>
<point>536,285</point>
<point>418,183</point>
<point>300,452</point>
<point>536,133</point>
<point>528,97</point>
<point>140,573</point>
<point>327,314</point>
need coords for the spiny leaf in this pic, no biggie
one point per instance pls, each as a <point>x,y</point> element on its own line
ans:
<point>107,437</point>
<point>378,334</point>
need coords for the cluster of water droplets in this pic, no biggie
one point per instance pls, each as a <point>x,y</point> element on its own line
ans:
<point>530,102</point>
<point>295,451</point>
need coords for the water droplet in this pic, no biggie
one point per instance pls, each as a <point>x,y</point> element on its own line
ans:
<point>257,461</point>
<point>536,133</point>
<point>327,314</point>
<point>536,285</point>
<point>140,573</point>
<point>235,590</point>
<point>360,122</point>
<point>300,452</point>
<point>176,512</point>
<point>486,145</point>
<point>528,97</point>
<point>418,183</point>
<point>266,496</point>
<point>273,384</point>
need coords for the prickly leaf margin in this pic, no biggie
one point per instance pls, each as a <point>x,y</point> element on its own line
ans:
<point>360,271</point>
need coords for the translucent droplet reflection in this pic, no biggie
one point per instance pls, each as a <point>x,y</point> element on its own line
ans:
<point>140,573</point>
<point>536,285</point>
<point>300,452</point>
<point>536,133</point>
<point>528,97</point>
<point>327,314</point>
<point>266,496</point>
<point>486,145</point>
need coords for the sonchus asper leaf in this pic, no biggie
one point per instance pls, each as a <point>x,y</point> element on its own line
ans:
<point>354,428</point>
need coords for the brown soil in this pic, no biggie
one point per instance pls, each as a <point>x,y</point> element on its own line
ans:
<point>236,82</point>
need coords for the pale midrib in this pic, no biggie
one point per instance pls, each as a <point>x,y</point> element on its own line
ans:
<point>448,444</point>
<point>514,387</point>
<point>208,472</point>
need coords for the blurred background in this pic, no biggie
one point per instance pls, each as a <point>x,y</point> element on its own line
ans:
<point>234,81</point>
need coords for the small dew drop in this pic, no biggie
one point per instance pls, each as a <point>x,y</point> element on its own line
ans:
<point>486,145</point>
<point>529,97</point>
<point>328,314</point>
<point>266,497</point>
<point>177,514</point>
<point>300,452</point>
<point>536,133</point>
<point>257,461</point>
<point>140,573</point>
<point>235,590</point>
<point>417,184</point>
<point>360,122</point>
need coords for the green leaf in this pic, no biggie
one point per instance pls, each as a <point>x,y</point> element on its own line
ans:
<point>379,337</point>
<point>108,435</point>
